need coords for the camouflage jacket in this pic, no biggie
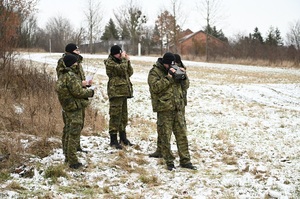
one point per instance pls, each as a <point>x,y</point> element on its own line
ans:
<point>61,66</point>
<point>69,89</point>
<point>119,73</point>
<point>184,87</point>
<point>166,93</point>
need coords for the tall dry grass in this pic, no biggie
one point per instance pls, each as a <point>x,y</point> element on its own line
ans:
<point>30,114</point>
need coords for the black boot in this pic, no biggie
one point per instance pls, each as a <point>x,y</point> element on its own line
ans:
<point>188,166</point>
<point>81,150</point>
<point>123,139</point>
<point>156,154</point>
<point>114,141</point>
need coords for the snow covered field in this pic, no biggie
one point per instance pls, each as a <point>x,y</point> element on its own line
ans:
<point>243,131</point>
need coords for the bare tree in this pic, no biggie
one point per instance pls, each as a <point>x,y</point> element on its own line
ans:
<point>28,30</point>
<point>131,19</point>
<point>164,23</point>
<point>94,19</point>
<point>11,15</point>
<point>179,20</point>
<point>211,12</point>
<point>79,36</point>
<point>293,36</point>
<point>60,33</point>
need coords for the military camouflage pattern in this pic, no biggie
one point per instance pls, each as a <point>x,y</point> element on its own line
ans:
<point>65,129</point>
<point>71,96</point>
<point>159,133</point>
<point>169,121</point>
<point>74,124</point>
<point>119,88</point>
<point>118,115</point>
<point>168,101</point>
<point>119,73</point>
<point>184,87</point>
<point>166,93</point>
<point>60,68</point>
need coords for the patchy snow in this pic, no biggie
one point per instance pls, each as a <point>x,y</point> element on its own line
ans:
<point>243,137</point>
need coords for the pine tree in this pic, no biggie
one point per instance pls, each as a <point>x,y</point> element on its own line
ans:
<point>274,38</point>
<point>216,33</point>
<point>110,32</point>
<point>278,37</point>
<point>257,36</point>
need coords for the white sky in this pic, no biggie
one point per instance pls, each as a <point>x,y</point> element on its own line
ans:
<point>237,16</point>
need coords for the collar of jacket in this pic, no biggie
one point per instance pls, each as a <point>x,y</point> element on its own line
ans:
<point>115,59</point>
<point>72,68</point>
<point>160,65</point>
<point>79,57</point>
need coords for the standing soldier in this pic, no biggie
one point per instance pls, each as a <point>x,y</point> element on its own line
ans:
<point>184,85</point>
<point>119,88</point>
<point>167,100</point>
<point>71,96</point>
<point>72,49</point>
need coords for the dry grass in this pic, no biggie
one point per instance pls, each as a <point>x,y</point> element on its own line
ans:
<point>30,114</point>
<point>54,172</point>
<point>229,76</point>
<point>15,186</point>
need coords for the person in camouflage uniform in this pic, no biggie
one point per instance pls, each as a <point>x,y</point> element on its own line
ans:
<point>71,96</point>
<point>72,49</point>
<point>184,85</point>
<point>167,100</point>
<point>119,88</point>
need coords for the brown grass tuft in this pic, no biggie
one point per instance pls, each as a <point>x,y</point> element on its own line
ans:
<point>30,113</point>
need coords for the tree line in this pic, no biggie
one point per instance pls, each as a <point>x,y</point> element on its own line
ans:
<point>19,29</point>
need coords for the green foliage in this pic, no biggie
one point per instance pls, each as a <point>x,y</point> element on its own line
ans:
<point>216,33</point>
<point>110,32</point>
<point>125,34</point>
<point>257,36</point>
<point>274,38</point>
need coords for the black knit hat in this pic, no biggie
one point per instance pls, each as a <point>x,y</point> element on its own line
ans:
<point>71,47</point>
<point>168,58</point>
<point>115,50</point>
<point>177,58</point>
<point>70,60</point>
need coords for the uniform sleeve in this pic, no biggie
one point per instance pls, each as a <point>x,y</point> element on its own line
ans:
<point>114,69</point>
<point>158,83</point>
<point>82,75</point>
<point>186,83</point>
<point>75,88</point>
<point>60,67</point>
<point>129,67</point>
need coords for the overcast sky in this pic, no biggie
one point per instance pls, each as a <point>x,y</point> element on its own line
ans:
<point>236,16</point>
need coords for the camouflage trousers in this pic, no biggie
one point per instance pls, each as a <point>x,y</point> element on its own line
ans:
<point>64,131</point>
<point>72,129</point>
<point>118,114</point>
<point>158,148</point>
<point>168,122</point>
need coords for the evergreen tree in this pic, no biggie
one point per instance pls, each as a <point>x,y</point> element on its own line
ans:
<point>216,33</point>
<point>156,37</point>
<point>278,37</point>
<point>274,38</point>
<point>110,32</point>
<point>257,36</point>
<point>125,33</point>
